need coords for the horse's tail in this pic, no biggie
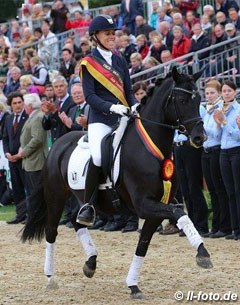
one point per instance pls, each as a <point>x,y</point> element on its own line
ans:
<point>36,221</point>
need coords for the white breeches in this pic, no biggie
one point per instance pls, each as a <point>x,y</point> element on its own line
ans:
<point>96,132</point>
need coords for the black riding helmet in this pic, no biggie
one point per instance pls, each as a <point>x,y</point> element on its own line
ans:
<point>101,23</point>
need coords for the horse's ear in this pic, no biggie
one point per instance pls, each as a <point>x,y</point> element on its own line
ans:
<point>198,74</point>
<point>175,74</point>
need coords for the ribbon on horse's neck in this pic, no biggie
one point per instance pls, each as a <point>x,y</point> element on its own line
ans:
<point>147,141</point>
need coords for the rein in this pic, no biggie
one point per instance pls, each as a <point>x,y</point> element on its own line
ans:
<point>179,127</point>
<point>136,116</point>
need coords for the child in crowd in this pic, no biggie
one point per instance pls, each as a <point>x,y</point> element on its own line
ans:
<point>139,90</point>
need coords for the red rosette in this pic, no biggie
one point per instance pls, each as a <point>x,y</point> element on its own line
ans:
<point>167,169</point>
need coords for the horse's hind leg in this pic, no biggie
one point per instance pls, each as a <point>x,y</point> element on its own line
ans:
<point>55,204</point>
<point>149,227</point>
<point>49,265</point>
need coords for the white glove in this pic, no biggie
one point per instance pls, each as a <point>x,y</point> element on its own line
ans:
<point>119,109</point>
<point>134,108</point>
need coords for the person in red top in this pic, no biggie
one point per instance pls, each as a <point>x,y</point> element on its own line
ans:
<point>187,5</point>
<point>77,22</point>
<point>189,21</point>
<point>181,43</point>
<point>142,45</point>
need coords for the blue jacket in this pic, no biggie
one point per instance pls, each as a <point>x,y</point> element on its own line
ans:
<point>12,87</point>
<point>99,98</point>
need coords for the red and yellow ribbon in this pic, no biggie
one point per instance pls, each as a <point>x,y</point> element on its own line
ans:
<point>167,164</point>
<point>107,76</point>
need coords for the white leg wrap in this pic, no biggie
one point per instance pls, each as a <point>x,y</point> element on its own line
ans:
<point>87,243</point>
<point>184,223</point>
<point>134,271</point>
<point>49,259</point>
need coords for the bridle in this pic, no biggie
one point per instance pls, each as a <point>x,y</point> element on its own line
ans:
<point>193,121</point>
<point>180,124</point>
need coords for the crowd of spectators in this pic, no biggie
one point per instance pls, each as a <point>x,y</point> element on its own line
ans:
<point>30,48</point>
<point>178,26</point>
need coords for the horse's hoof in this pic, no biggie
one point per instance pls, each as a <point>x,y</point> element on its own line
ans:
<point>51,285</point>
<point>90,266</point>
<point>137,296</point>
<point>203,258</point>
<point>87,271</point>
<point>136,293</point>
<point>204,262</point>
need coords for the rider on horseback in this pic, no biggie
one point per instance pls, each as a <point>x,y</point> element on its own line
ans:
<point>107,89</point>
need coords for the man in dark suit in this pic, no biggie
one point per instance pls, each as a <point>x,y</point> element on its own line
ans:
<point>225,5</point>
<point>11,143</point>
<point>78,115</point>
<point>142,27</point>
<point>67,67</point>
<point>51,120</point>
<point>129,9</point>
<point>63,102</point>
<point>166,32</point>
<point>166,56</point>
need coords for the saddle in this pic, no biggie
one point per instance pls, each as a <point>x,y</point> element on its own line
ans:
<point>110,150</point>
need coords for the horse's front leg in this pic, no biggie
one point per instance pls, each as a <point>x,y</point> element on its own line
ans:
<point>149,227</point>
<point>90,250</point>
<point>159,210</point>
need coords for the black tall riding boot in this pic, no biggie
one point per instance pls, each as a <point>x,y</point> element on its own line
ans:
<point>86,214</point>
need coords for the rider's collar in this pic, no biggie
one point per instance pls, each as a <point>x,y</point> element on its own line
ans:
<point>107,55</point>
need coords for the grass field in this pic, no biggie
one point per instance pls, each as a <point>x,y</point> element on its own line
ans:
<point>7,212</point>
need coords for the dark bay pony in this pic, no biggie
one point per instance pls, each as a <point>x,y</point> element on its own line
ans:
<point>173,104</point>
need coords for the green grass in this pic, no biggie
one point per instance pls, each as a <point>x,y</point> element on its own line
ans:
<point>7,212</point>
<point>208,199</point>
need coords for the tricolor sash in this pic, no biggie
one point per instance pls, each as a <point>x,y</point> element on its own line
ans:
<point>106,75</point>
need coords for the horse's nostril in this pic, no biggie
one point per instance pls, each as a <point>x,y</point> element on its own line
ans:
<point>198,141</point>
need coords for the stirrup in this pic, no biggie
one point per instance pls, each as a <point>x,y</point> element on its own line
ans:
<point>86,221</point>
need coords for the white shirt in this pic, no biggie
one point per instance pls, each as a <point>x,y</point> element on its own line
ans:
<point>107,55</point>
